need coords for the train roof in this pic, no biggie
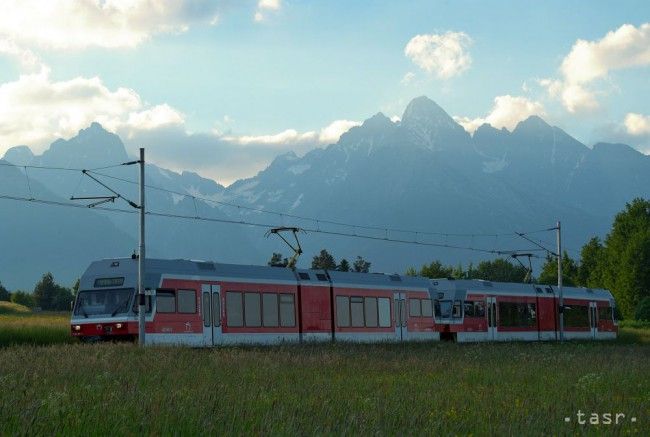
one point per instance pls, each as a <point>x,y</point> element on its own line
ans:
<point>479,286</point>
<point>156,268</point>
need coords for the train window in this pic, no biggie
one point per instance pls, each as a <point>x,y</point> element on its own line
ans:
<point>287,310</point>
<point>515,314</point>
<point>270,315</point>
<point>384,312</point>
<point>549,290</point>
<point>457,311</point>
<point>186,301</point>
<point>427,309</point>
<point>234,309</point>
<point>479,309</point>
<point>147,304</point>
<point>415,310</point>
<point>468,308</point>
<point>539,289</point>
<point>321,277</point>
<point>370,309</point>
<point>443,308</point>
<point>605,313</point>
<point>165,302</point>
<point>252,309</point>
<point>216,309</point>
<point>343,311</point>
<point>304,276</point>
<point>576,316</point>
<point>205,307</point>
<point>356,311</point>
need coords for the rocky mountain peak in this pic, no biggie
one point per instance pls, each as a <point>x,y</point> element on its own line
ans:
<point>430,126</point>
<point>19,155</point>
<point>532,124</point>
<point>424,110</point>
<point>93,145</point>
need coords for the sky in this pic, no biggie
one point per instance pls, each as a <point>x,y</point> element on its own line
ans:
<point>221,87</point>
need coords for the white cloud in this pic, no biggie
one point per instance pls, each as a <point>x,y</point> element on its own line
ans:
<point>637,124</point>
<point>443,54</point>
<point>273,5</point>
<point>327,135</point>
<point>25,57</point>
<point>331,133</point>
<point>286,137</point>
<point>265,6</point>
<point>77,24</point>
<point>408,78</point>
<point>156,117</point>
<point>35,110</point>
<point>590,61</point>
<point>506,112</point>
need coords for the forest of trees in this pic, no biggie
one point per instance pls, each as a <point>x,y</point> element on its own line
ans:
<point>47,295</point>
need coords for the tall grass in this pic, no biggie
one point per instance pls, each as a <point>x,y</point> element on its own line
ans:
<point>34,328</point>
<point>13,308</point>
<point>428,388</point>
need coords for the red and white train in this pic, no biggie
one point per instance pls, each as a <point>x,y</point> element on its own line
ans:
<point>209,304</point>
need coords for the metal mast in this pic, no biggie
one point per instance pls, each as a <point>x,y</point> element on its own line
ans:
<point>559,278</point>
<point>141,259</point>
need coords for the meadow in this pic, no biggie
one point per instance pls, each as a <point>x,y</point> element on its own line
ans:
<point>424,388</point>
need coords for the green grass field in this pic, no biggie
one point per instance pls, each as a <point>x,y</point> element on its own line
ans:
<point>426,388</point>
<point>18,325</point>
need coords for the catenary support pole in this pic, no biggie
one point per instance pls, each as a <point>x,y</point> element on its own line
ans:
<point>559,278</point>
<point>141,259</point>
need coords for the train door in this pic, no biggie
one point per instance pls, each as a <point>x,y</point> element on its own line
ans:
<point>401,317</point>
<point>593,319</point>
<point>211,312</point>
<point>491,312</point>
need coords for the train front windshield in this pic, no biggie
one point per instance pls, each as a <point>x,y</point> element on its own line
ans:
<point>103,303</point>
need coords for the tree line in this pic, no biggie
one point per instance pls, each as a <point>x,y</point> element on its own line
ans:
<point>47,295</point>
<point>325,261</point>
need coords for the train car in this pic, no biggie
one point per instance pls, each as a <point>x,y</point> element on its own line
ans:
<point>476,310</point>
<point>376,307</point>
<point>201,303</point>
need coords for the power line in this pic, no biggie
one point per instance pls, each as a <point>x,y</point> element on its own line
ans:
<point>268,225</point>
<point>43,167</point>
<point>318,221</point>
<point>282,215</point>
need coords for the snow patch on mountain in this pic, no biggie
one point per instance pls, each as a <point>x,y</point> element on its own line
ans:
<point>274,196</point>
<point>495,165</point>
<point>297,202</point>
<point>299,168</point>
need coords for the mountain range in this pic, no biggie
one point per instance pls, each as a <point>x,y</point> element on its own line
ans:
<point>423,173</point>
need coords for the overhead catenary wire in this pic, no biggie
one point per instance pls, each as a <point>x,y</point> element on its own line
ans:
<point>269,225</point>
<point>317,229</point>
<point>319,221</point>
<point>73,169</point>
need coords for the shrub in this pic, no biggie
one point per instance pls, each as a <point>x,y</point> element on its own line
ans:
<point>23,298</point>
<point>643,310</point>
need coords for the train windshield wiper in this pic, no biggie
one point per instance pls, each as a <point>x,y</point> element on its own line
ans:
<point>122,305</point>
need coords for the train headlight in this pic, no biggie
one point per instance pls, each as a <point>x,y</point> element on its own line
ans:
<point>77,328</point>
<point>118,325</point>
